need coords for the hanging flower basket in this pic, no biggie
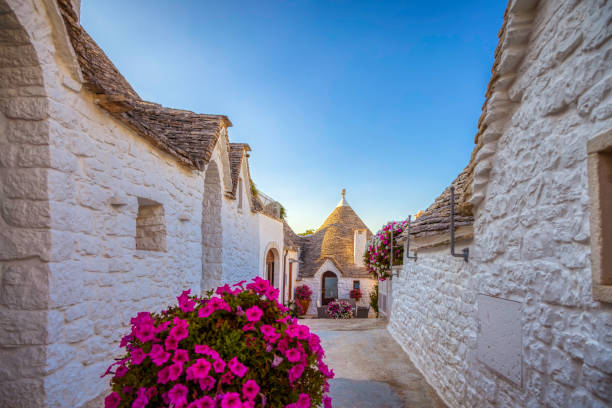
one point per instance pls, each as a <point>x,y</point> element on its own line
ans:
<point>377,256</point>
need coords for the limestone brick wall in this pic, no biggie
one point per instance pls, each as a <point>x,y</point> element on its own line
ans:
<point>27,173</point>
<point>345,285</point>
<point>98,279</point>
<point>240,239</point>
<point>101,278</point>
<point>531,237</point>
<point>433,318</point>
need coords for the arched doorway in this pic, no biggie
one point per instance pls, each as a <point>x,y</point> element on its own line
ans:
<point>329,287</point>
<point>212,252</point>
<point>270,267</point>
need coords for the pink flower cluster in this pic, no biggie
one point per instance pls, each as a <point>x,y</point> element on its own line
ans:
<point>377,256</point>
<point>156,343</point>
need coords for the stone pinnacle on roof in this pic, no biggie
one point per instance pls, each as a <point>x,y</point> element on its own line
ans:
<point>343,201</point>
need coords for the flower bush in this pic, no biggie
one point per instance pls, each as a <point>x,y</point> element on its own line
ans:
<point>356,294</point>
<point>376,257</point>
<point>303,292</point>
<point>238,349</point>
<point>339,309</point>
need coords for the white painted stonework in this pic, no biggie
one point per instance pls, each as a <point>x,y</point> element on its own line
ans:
<point>70,181</point>
<point>531,236</point>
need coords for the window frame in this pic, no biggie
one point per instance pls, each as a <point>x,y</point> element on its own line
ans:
<point>599,163</point>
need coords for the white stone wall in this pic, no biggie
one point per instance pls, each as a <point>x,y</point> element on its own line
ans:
<point>345,285</point>
<point>240,238</point>
<point>26,174</point>
<point>99,279</point>
<point>531,240</point>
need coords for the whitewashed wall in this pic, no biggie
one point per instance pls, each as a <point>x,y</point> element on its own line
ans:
<point>70,178</point>
<point>345,285</point>
<point>240,237</point>
<point>531,240</point>
<point>100,280</point>
<point>26,176</point>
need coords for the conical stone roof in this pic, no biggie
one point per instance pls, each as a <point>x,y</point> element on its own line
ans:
<point>334,241</point>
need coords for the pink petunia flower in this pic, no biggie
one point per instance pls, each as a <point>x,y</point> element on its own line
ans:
<point>295,373</point>
<point>219,365</point>
<point>200,369</point>
<point>303,401</point>
<point>158,355</point>
<point>186,304</point>
<point>121,371</point>
<point>231,400</point>
<point>162,327</point>
<point>180,356</point>
<point>138,356</point>
<point>201,348</point>
<point>112,400</point>
<point>227,378</point>
<point>248,327</point>
<point>207,383</point>
<point>180,332</point>
<point>175,371</point>
<point>145,332</point>
<point>163,375</point>
<point>250,389</point>
<point>171,342</point>
<point>204,402</point>
<point>327,402</point>
<point>237,367</point>
<point>151,392</point>
<point>178,395</point>
<point>253,314</point>
<point>293,355</point>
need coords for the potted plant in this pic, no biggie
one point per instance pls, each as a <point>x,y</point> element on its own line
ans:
<point>339,309</point>
<point>356,294</point>
<point>239,348</point>
<point>303,295</point>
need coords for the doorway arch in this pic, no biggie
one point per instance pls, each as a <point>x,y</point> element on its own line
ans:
<point>270,267</point>
<point>329,287</point>
<point>212,250</point>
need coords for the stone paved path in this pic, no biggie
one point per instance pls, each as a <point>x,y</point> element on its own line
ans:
<point>372,371</point>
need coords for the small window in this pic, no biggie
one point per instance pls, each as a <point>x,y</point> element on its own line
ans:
<point>355,284</point>
<point>240,193</point>
<point>150,226</point>
<point>599,151</point>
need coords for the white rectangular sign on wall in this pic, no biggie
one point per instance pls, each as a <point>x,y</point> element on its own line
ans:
<point>499,343</point>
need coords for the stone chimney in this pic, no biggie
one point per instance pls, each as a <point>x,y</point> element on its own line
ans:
<point>359,246</point>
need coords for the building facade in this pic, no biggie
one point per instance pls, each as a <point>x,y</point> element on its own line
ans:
<point>110,205</point>
<point>332,258</point>
<point>526,321</point>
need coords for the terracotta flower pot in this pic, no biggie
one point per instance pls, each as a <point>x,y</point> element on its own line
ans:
<point>304,303</point>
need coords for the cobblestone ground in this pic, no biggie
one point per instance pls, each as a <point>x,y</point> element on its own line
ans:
<point>372,371</point>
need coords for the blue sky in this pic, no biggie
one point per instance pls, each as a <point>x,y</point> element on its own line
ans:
<point>380,98</point>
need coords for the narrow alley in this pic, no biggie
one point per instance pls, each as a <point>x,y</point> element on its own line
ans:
<point>372,371</point>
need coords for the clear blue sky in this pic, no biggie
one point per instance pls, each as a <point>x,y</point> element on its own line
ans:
<point>380,98</point>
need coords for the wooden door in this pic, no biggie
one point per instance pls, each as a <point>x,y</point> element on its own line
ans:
<point>329,287</point>
<point>270,267</point>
